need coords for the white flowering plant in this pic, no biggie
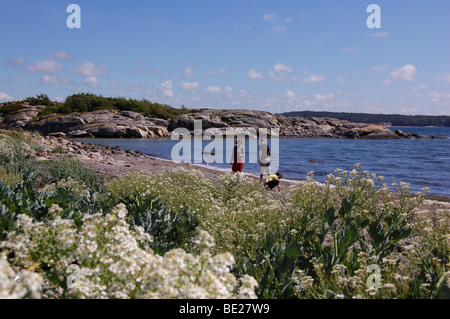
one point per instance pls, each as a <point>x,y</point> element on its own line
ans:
<point>18,285</point>
<point>114,261</point>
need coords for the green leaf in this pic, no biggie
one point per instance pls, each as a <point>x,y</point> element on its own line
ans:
<point>330,216</point>
<point>400,234</point>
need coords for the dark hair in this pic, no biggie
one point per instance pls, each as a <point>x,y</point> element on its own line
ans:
<point>279,174</point>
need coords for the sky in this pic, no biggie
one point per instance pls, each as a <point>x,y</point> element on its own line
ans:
<point>277,56</point>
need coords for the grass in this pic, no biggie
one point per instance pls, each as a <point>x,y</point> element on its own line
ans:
<point>72,168</point>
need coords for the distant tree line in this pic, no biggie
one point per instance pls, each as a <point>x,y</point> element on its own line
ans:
<point>87,102</point>
<point>385,119</point>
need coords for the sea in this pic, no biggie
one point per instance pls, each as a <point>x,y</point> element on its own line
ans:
<point>418,162</point>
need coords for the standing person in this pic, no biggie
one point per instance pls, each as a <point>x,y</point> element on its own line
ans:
<point>264,159</point>
<point>273,181</point>
<point>238,157</point>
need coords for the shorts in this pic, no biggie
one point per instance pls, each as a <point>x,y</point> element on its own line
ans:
<point>237,167</point>
<point>265,170</point>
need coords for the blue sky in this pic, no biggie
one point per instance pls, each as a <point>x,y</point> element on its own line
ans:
<point>278,56</point>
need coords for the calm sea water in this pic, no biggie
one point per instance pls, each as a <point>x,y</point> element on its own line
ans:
<point>421,163</point>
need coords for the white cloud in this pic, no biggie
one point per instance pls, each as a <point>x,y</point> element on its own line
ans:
<point>244,94</point>
<point>253,75</point>
<point>281,67</point>
<point>189,86</point>
<point>277,24</point>
<point>289,95</point>
<point>49,79</point>
<point>291,100</point>
<point>279,71</point>
<point>62,55</point>
<point>53,79</point>
<point>89,69</point>
<point>5,97</point>
<point>90,72</point>
<point>166,89</point>
<point>444,77</point>
<point>91,81</point>
<point>437,96</point>
<point>49,66</point>
<point>229,92</point>
<point>314,78</point>
<point>405,73</point>
<point>213,89</point>
<point>323,97</point>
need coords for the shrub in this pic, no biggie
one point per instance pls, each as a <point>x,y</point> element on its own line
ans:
<point>71,167</point>
<point>86,102</point>
<point>13,158</point>
<point>178,190</point>
<point>106,259</point>
<point>296,244</point>
<point>10,108</point>
<point>41,99</point>
<point>22,198</point>
<point>169,229</point>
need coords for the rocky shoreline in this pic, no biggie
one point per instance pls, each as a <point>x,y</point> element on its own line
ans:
<point>128,124</point>
<point>111,162</point>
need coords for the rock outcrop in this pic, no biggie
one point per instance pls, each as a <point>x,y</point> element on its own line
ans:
<point>294,127</point>
<point>128,124</point>
<point>103,123</point>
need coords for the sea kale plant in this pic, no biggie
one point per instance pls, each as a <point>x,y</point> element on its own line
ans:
<point>112,261</point>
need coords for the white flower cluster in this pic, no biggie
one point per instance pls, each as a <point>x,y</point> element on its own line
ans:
<point>17,286</point>
<point>115,261</point>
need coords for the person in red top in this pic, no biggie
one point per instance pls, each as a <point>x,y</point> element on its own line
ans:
<point>237,159</point>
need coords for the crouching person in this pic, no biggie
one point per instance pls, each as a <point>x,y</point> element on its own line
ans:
<point>273,181</point>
